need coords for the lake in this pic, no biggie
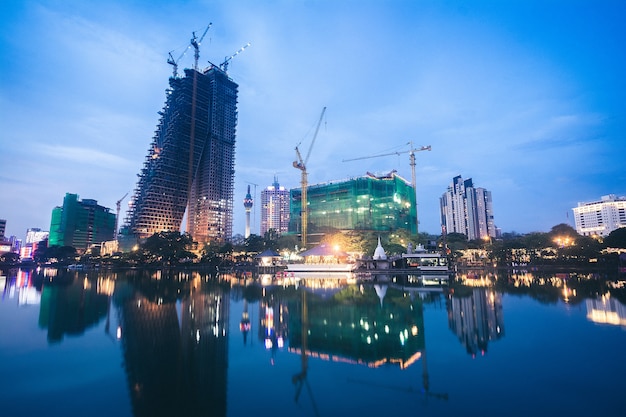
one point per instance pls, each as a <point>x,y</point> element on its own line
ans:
<point>183,343</point>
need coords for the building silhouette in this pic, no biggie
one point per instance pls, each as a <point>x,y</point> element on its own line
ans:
<point>370,202</point>
<point>275,208</point>
<point>467,210</point>
<point>600,217</point>
<point>189,168</point>
<point>80,223</point>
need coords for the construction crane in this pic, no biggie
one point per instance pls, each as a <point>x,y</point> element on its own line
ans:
<point>301,165</point>
<point>196,44</point>
<point>224,65</point>
<point>118,205</point>
<point>411,152</point>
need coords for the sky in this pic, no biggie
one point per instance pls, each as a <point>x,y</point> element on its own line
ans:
<point>527,98</point>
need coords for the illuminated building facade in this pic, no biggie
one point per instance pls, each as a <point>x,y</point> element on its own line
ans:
<point>370,202</point>
<point>80,224</point>
<point>35,235</point>
<point>600,217</point>
<point>190,163</point>
<point>467,210</point>
<point>275,209</point>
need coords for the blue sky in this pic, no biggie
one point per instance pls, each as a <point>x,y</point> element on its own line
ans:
<point>524,97</point>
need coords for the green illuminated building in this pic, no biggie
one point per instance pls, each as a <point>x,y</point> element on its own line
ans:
<point>374,203</point>
<point>80,223</point>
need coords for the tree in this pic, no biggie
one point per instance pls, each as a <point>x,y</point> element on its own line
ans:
<point>9,258</point>
<point>254,243</point>
<point>169,247</point>
<point>616,239</point>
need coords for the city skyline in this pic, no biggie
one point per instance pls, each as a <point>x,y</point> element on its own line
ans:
<point>523,97</point>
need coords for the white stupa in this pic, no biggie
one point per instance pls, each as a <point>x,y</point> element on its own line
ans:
<point>379,253</point>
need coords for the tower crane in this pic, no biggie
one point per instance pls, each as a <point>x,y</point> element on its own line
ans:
<point>224,65</point>
<point>301,165</point>
<point>118,204</point>
<point>195,43</point>
<point>196,46</point>
<point>411,152</point>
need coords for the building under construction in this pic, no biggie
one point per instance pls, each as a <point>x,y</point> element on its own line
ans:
<point>371,202</point>
<point>190,163</point>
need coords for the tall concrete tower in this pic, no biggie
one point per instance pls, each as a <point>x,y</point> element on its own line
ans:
<point>247,203</point>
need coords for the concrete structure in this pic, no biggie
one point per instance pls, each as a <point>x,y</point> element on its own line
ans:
<point>467,210</point>
<point>248,202</point>
<point>600,217</point>
<point>189,168</point>
<point>372,202</point>
<point>80,224</point>
<point>275,209</point>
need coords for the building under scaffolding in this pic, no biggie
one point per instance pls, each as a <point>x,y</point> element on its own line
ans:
<point>190,163</point>
<point>370,202</point>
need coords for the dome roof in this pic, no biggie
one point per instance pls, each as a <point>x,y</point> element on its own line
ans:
<point>379,253</point>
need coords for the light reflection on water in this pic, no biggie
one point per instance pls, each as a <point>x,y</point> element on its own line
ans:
<point>149,343</point>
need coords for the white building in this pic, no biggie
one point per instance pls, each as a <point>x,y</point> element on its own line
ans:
<point>599,218</point>
<point>35,235</point>
<point>467,210</point>
<point>274,209</point>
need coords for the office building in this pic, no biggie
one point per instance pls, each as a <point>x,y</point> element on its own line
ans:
<point>35,235</point>
<point>80,224</point>
<point>467,210</point>
<point>600,217</point>
<point>372,202</point>
<point>189,168</point>
<point>275,209</point>
<point>3,228</point>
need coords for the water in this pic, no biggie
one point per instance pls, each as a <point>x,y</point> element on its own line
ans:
<point>76,343</point>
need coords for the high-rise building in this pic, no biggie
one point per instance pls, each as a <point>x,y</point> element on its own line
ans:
<point>35,235</point>
<point>247,204</point>
<point>275,208</point>
<point>600,217</point>
<point>80,223</point>
<point>189,169</point>
<point>3,227</point>
<point>467,210</point>
<point>371,202</point>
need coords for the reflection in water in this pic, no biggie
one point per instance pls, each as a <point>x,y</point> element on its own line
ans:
<point>476,318</point>
<point>172,329</point>
<point>356,326</point>
<point>606,310</point>
<point>70,309</point>
<point>175,348</point>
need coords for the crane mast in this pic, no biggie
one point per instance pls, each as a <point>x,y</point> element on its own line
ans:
<point>301,165</point>
<point>118,205</point>
<point>411,152</point>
